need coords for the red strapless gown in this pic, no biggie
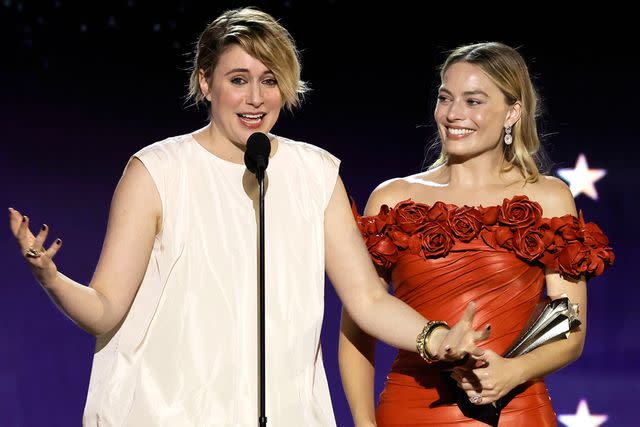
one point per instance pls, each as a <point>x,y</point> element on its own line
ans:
<point>440,258</point>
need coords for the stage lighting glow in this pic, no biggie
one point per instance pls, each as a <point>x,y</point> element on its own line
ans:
<point>582,417</point>
<point>581,178</point>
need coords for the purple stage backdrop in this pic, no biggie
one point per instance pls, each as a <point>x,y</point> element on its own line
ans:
<point>84,87</point>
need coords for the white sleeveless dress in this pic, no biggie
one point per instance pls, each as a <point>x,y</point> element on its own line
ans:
<point>186,353</point>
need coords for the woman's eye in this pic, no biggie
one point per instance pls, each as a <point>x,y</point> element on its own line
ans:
<point>442,98</point>
<point>473,102</point>
<point>237,80</point>
<point>270,82</point>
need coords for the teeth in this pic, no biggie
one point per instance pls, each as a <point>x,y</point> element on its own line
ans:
<point>459,131</point>
<point>251,116</point>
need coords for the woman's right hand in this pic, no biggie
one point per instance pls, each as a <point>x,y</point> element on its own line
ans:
<point>460,341</point>
<point>32,247</point>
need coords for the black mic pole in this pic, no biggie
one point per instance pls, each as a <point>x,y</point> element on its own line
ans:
<point>263,416</point>
<point>257,159</point>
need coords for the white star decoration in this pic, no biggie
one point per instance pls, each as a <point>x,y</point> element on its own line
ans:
<point>581,178</point>
<point>582,417</point>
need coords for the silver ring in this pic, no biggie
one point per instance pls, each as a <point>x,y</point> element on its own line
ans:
<point>475,398</point>
<point>33,253</point>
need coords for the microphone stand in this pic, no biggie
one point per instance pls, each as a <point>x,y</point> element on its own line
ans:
<point>256,158</point>
<point>261,296</point>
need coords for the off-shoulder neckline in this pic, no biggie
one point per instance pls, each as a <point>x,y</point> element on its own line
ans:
<point>523,197</point>
<point>455,205</point>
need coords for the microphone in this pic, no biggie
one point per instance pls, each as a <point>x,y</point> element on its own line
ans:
<point>256,158</point>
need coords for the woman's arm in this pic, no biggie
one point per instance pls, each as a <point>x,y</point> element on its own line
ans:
<point>553,356</point>
<point>502,375</point>
<point>379,314</point>
<point>356,349</point>
<point>366,298</point>
<point>134,220</point>
<point>356,356</point>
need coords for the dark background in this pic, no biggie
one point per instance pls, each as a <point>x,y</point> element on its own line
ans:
<point>84,85</point>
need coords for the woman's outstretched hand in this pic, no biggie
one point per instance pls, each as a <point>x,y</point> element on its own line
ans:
<point>32,247</point>
<point>461,340</point>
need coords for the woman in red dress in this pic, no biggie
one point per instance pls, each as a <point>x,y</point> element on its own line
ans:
<point>483,225</point>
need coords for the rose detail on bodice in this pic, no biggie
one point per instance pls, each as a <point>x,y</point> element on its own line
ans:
<point>565,244</point>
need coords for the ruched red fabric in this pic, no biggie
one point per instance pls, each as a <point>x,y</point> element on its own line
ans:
<point>440,258</point>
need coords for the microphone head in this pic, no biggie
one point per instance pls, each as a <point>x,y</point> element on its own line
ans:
<point>256,157</point>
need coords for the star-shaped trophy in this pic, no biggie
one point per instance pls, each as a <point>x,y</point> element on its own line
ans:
<point>551,320</point>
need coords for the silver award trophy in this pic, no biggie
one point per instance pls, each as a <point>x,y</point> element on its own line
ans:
<point>551,320</point>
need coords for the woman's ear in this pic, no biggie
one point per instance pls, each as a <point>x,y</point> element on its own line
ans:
<point>513,114</point>
<point>204,85</point>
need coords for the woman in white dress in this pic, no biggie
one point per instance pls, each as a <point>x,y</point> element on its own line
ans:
<point>173,299</point>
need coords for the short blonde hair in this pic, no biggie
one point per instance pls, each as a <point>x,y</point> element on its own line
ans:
<point>508,70</point>
<point>262,37</point>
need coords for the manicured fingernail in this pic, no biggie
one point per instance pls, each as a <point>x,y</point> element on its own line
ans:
<point>488,327</point>
<point>10,209</point>
<point>447,348</point>
<point>44,227</point>
<point>24,219</point>
<point>58,241</point>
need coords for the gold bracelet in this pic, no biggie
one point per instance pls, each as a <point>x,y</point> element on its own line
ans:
<point>422,340</point>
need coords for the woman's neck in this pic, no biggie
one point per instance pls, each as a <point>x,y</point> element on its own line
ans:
<point>216,143</point>
<point>479,171</point>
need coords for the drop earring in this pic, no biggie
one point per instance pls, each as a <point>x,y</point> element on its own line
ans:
<point>508,139</point>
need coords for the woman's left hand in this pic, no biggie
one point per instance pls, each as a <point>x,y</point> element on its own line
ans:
<point>496,377</point>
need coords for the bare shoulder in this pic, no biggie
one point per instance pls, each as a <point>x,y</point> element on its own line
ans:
<point>420,186</point>
<point>136,169</point>
<point>388,193</point>
<point>554,196</point>
<point>136,193</point>
<point>136,178</point>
